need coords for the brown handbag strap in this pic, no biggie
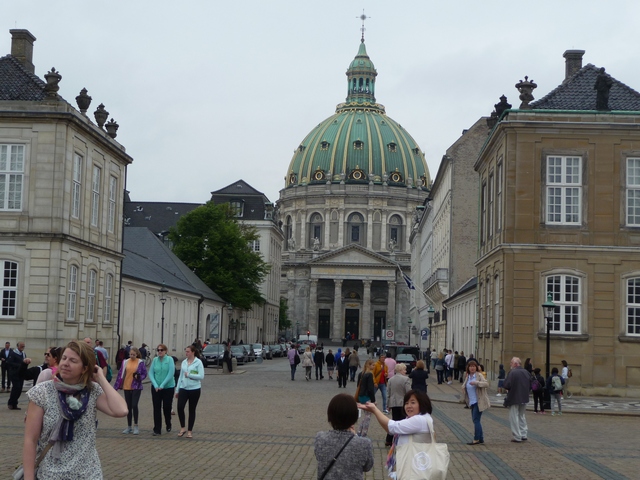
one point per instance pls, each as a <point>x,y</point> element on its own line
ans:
<point>43,454</point>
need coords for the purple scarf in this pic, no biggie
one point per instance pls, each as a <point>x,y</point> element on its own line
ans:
<point>73,401</point>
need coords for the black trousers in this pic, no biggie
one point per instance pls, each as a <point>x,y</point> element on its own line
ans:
<point>538,397</point>
<point>162,401</point>
<point>132,397</point>
<point>5,375</point>
<point>397,413</point>
<point>319,371</point>
<point>16,389</point>
<point>342,378</point>
<point>191,396</point>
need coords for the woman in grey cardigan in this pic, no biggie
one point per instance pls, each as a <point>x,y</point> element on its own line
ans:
<point>474,390</point>
<point>357,455</point>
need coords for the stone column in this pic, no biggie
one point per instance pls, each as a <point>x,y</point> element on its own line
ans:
<point>369,220</point>
<point>327,230</point>
<point>313,306</point>
<point>341,242</point>
<point>336,319</point>
<point>303,230</point>
<point>365,328</point>
<point>391,306</point>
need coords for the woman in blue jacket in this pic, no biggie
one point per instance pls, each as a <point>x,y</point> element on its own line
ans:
<point>188,388</point>
<point>161,376</point>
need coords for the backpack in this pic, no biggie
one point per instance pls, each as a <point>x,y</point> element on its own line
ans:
<point>535,384</point>
<point>109,373</point>
<point>569,374</point>
<point>556,383</point>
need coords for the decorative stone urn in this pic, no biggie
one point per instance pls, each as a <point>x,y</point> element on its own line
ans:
<point>53,79</point>
<point>112,128</point>
<point>83,100</point>
<point>101,115</point>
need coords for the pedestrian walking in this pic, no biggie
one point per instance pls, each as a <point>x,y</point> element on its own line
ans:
<point>341,454</point>
<point>294,360</point>
<point>434,358</point>
<point>555,384</point>
<point>130,377</point>
<point>538,393</point>
<point>331,364</point>
<point>502,374</point>
<point>62,413</point>
<point>517,384</point>
<point>318,360</point>
<point>419,377</point>
<point>227,357</point>
<point>52,359</point>
<point>380,377</point>
<point>440,368</point>
<point>456,372</point>
<point>461,366</point>
<point>528,366</point>
<point>342,365</point>
<point>16,361</point>
<point>566,374</point>
<point>161,374</point>
<point>354,365</point>
<point>449,360</point>
<point>397,388</point>
<point>307,363</point>
<point>4,356</point>
<point>390,362</point>
<point>188,389</point>
<point>474,391</point>
<point>121,356</point>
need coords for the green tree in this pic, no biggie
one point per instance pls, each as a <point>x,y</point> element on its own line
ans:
<point>283,318</point>
<point>211,242</point>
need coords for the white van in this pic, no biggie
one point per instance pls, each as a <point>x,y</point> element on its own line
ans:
<point>310,339</point>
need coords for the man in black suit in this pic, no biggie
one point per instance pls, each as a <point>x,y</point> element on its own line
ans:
<point>4,354</point>
<point>16,359</point>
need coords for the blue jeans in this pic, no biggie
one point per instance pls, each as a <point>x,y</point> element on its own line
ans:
<point>476,415</point>
<point>293,371</point>
<point>383,391</point>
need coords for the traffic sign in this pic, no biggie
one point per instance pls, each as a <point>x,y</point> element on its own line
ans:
<point>389,335</point>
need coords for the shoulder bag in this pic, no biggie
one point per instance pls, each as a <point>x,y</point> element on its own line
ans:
<point>19,473</point>
<point>333,460</point>
<point>422,461</point>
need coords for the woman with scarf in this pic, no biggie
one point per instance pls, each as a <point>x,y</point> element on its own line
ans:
<point>52,358</point>
<point>62,413</point>
<point>132,372</point>
<point>161,374</point>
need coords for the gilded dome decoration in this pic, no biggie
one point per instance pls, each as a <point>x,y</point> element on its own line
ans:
<point>360,138</point>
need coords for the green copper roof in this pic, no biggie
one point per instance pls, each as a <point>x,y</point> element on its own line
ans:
<point>359,143</point>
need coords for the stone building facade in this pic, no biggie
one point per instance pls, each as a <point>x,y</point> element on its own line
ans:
<point>350,195</point>
<point>563,220</point>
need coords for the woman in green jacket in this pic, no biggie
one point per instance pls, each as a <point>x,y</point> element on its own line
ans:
<point>161,375</point>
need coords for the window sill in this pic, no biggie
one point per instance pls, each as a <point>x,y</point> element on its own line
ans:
<point>10,320</point>
<point>582,337</point>
<point>496,334</point>
<point>628,339</point>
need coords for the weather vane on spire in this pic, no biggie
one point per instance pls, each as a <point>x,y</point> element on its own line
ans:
<point>362,17</point>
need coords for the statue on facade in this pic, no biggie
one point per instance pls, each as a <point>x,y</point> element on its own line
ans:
<point>291,243</point>
<point>316,244</point>
<point>392,245</point>
<point>525,88</point>
<point>602,86</point>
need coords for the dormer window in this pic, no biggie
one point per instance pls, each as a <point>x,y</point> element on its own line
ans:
<point>237,207</point>
<point>392,147</point>
<point>324,145</point>
<point>358,145</point>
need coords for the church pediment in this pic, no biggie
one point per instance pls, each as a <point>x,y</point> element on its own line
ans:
<point>352,255</point>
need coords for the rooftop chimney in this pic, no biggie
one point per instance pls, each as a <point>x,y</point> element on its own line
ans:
<point>573,62</point>
<point>22,47</point>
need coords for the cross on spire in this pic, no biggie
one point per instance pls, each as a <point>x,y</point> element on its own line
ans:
<point>362,17</point>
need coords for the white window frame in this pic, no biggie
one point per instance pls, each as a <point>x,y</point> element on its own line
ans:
<point>483,210</point>
<point>95,196</point>
<point>113,188</point>
<point>108,295</point>
<point>9,289</point>
<point>237,208</point>
<point>563,193</point>
<point>496,304</point>
<point>255,245</point>
<point>566,290</point>
<point>12,159</point>
<point>76,188</point>
<point>72,293</point>
<point>487,314</point>
<point>92,280</point>
<point>632,211</point>
<point>490,194</point>
<point>499,198</point>
<point>481,307</point>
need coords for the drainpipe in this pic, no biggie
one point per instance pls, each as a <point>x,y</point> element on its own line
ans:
<point>200,300</point>
<point>121,260</point>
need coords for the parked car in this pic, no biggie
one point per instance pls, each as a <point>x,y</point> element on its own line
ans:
<point>408,359</point>
<point>302,347</point>
<point>267,354</point>
<point>212,355</point>
<point>395,350</point>
<point>257,349</point>
<point>276,350</point>
<point>241,354</point>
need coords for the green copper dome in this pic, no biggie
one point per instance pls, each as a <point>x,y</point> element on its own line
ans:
<point>359,143</point>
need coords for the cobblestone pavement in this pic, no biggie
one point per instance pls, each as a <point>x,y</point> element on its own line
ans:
<point>258,424</point>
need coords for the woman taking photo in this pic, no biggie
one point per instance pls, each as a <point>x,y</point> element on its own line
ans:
<point>52,358</point>
<point>474,390</point>
<point>188,389</point>
<point>340,453</point>
<point>419,377</point>
<point>397,388</point>
<point>417,425</point>
<point>130,377</point>
<point>163,384</point>
<point>62,412</point>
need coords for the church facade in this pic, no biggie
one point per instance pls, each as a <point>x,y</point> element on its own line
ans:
<point>350,197</point>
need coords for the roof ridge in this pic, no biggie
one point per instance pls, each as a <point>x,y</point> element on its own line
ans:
<point>31,75</point>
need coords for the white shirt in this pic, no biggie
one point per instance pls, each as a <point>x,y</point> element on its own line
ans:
<point>565,372</point>
<point>449,360</point>
<point>403,428</point>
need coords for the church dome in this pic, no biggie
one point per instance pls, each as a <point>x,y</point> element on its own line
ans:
<point>359,143</point>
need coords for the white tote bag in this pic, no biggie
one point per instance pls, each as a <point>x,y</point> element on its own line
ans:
<point>422,461</point>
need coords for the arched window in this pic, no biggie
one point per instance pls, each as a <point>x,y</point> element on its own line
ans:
<point>356,229</point>
<point>395,232</point>
<point>315,229</point>
<point>72,288</point>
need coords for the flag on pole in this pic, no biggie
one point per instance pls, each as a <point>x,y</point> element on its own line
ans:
<point>408,281</point>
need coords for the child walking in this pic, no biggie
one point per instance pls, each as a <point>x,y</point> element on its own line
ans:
<point>501,376</point>
<point>554,385</point>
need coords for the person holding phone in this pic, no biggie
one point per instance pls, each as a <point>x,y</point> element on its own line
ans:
<point>130,377</point>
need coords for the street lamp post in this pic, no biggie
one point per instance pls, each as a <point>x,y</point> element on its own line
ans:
<point>297,330</point>
<point>409,322</point>
<point>163,291</point>
<point>430,313</point>
<point>275,330</point>
<point>549,309</point>
<point>230,310</point>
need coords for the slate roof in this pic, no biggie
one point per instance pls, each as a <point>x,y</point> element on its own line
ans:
<point>577,93</point>
<point>252,199</point>
<point>468,285</point>
<point>158,217</point>
<point>16,83</point>
<point>149,260</point>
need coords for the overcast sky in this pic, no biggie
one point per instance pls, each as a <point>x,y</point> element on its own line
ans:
<point>207,92</point>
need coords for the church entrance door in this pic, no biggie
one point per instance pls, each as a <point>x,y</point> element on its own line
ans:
<point>352,321</point>
<point>324,322</point>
